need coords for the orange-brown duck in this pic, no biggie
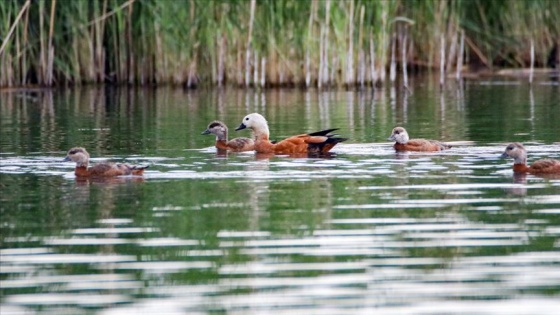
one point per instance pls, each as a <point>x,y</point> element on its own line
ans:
<point>312,143</point>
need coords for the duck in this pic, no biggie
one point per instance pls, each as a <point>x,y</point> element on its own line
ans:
<point>517,151</point>
<point>104,169</point>
<point>220,129</point>
<point>403,143</point>
<point>316,143</point>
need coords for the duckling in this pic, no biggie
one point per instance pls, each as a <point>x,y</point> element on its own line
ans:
<point>104,169</point>
<point>220,129</point>
<point>519,154</point>
<point>319,142</point>
<point>403,143</point>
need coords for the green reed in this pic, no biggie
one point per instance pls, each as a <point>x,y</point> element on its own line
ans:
<point>262,42</point>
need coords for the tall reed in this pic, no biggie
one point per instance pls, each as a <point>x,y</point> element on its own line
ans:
<point>313,43</point>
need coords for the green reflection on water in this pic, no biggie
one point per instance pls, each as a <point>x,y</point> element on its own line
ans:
<point>235,211</point>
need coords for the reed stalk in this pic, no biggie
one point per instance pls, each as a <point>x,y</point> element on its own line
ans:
<point>349,69</point>
<point>459,66</point>
<point>532,69</point>
<point>248,46</point>
<point>50,49</point>
<point>403,59</point>
<point>372,69</point>
<point>393,68</point>
<point>324,48</point>
<point>13,27</point>
<point>442,61</point>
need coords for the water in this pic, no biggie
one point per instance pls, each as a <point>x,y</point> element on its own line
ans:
<point>365,231</point>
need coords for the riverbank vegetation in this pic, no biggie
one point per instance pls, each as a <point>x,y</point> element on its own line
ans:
<point>266,42</point>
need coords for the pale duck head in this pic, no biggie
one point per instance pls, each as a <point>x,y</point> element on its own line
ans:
<point>516,151</point>
<point>256,122</point>
<point>399,135</point>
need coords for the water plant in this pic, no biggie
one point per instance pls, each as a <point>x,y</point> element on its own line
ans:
<point>266,42</point>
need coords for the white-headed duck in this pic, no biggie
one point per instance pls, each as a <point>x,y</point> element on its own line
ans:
<point>104,169</point>
<point>220,129</point>
<point>403,143</point>
<point>315,143</point>
<point>519,154</point>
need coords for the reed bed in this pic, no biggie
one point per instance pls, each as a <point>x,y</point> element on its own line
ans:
<point>265,43</point>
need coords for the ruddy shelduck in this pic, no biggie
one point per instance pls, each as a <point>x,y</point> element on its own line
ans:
<point>315,143</point>
<point>519,154</point>
<point>104,169</point>
<point>403,143</point>
<point>220,130</point>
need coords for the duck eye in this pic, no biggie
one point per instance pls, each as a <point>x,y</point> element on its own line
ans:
<point>246,118</point>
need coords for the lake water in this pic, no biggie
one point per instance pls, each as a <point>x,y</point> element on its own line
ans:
<point>366,231</point>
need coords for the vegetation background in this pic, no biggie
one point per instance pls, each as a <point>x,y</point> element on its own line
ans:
<point>266,42</point>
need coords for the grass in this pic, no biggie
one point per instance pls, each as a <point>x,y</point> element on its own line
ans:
<point>261,43</point>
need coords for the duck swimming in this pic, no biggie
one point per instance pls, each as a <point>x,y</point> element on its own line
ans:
<point>220,129</point>
<point>104,169</point>
<point>403,143</point>
<point>517,151</point>
<point>313,143</point>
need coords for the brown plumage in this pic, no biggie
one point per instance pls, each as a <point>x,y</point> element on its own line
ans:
<point>403,143</point>
<point>220,129</point>
<point>517,151</point>
<point>104,169</point>
<point>315,143</point>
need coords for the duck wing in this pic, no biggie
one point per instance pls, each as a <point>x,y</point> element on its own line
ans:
<point>546,166</point>
<point>316,142</point>
<point>241,144</point>
<point>105,169</point>
<point>425,145</point>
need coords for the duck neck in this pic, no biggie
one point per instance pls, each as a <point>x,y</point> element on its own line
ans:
<point>520,167</point>
<point>520,160</point>
<point>261,135</point>
<point>403,139</point>
<point>81,170</point>
<point>221,145</point>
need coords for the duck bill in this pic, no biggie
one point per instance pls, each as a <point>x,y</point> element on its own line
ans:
<point>66,159</point>
<point>504,155</point>
<point>205,132</point>
<point>241,127</point>
<point>391,138</point>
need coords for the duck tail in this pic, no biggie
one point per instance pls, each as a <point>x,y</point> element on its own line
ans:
<point>323,132</point>
<point>331,142</point>
<point>139,170</point>
<point>325,146</point>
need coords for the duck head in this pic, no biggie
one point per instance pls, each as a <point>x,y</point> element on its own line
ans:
<point>256,122</point>
<point>217,128</point>
<point>78,155</point>
<point>517,152</point>
<point>399,135</point>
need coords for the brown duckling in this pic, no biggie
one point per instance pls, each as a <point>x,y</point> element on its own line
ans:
<point>519,154</point>
<point>104,169</point>
<point>220,129</point>
<point>403,143</point>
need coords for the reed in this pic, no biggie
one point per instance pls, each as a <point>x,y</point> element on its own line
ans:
<point>264,43</point>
